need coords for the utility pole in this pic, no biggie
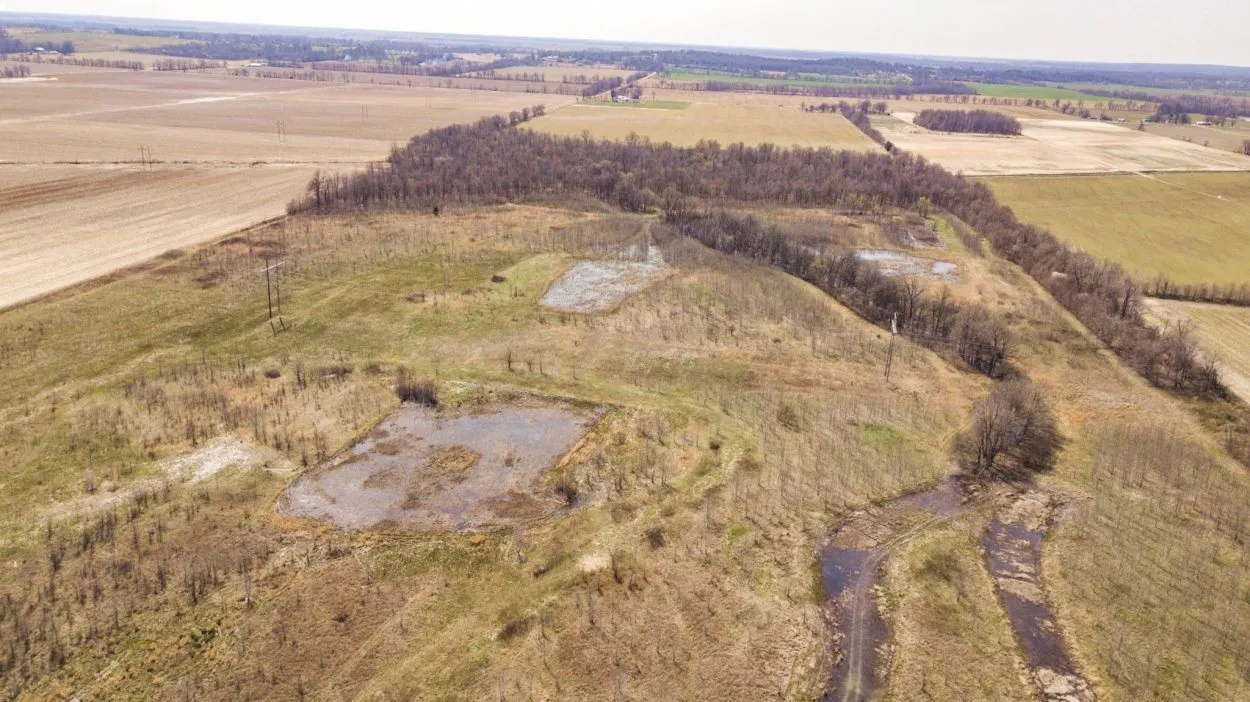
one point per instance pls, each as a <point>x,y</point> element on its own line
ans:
<point>889,359</point>
<point>272,290</point>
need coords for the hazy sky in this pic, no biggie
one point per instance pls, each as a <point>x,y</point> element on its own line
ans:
<point>1100,30</point>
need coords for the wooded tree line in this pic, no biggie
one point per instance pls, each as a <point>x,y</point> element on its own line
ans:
<point>1169,77</point>
<point>1174,108</point>
<point>604,85</point>
<point>62,60</point>
<point>746,64</point>
<point>1228,294</point>
<point>18,71</point>
<point>968,121</point>
<point>441,69</point>
<point>185,64</point>
<point>971,332</point>
<point>896,91</point>
<point>239,47</point>
<point>489,162</point>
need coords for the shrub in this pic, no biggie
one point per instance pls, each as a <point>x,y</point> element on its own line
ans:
<point>1013,434</point>
<point>422,391</point>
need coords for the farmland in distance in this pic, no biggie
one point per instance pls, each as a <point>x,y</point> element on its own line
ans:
<point>1189,227</point>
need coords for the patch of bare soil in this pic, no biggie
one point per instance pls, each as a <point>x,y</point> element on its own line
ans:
<point>419,471</point>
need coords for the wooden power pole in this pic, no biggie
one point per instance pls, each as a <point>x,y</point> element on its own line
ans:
<point>889,359</point>
<point>273,289</point>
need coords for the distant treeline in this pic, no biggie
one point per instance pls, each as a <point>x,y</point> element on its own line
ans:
<point>81,61</point>
<point>749,65</point>
<point>1162,77</point>
<point>1229,294</point>
<point>1175,109</point>
<point>490,162</point>
<point>968,121</point>
<point>439,70</point>
<point>895,91</point>
<point>18,71</point>
<point>11,45</point>
<point>186,64</point>
<point>242,47</point>
<point>604,85</point>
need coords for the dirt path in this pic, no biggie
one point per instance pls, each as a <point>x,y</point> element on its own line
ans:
<point>850,571</point>
<point>1013,549</point>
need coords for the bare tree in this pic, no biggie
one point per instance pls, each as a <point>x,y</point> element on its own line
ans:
<point>1013,434</point>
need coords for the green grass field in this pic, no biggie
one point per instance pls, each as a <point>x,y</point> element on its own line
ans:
<point>1036,92</point>
<point>1191,227</point>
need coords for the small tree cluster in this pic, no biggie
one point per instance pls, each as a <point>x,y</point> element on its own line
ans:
<point>968,121</point>
<point>1012,436</point>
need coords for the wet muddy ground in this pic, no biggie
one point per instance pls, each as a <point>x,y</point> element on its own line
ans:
<point>1013,550</point>
<point>595,286</point>
<point>849,567</point>
<point>897,263</point>
<point>418,471</point>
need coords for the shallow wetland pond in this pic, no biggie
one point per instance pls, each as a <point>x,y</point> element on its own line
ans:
<point>418,471</point>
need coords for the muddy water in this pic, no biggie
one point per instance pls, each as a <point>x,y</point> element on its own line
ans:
<point>420,471</point>
<point>897,263</point>
<point>849,569</point>
<point>596,286</point>
<point>1013,548</point>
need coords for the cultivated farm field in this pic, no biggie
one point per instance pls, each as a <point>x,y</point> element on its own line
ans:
<point>1190,227</point>
<point>1226,138</point>
<point>727,122</point>
<point>101,169</point>
<point>1050,146</point>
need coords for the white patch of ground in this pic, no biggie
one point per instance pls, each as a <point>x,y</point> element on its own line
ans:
<point>593,562</point>
<point>212,458</point>
<point>595,286</point>
<point>193,466</point>
<point>897,264</point>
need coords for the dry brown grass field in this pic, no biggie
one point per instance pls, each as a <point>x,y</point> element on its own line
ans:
<point>1223,138</point>
<point>727,389</point>
<point>685,123</point>
<point>219,161</point>
<point>1223,331</point>
<point>1190,227</point>
<point>1053,146</point>
<point>746,413</point>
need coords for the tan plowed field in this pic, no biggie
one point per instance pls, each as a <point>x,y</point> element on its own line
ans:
<point>76,201</point>
<point>1056,146</point>
<point>96,220</point>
